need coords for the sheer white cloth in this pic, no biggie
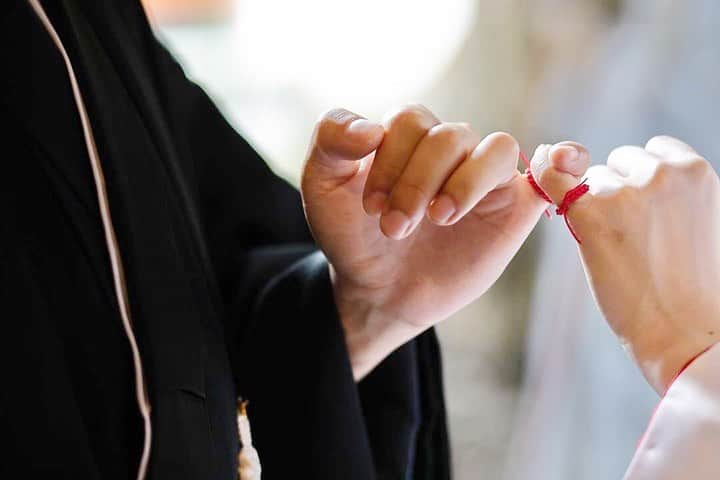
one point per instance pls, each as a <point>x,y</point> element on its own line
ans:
<point>585,406</point>
<point>683,439</point>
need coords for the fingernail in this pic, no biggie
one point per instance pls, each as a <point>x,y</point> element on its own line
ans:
<point>564,157</point>
<point>442,209</point>
<point>362,126</point>
<point>395,224</point>
<point>375,202</point>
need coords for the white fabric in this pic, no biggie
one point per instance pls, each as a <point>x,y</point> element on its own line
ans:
<point>248,459</point>
<point>683,439</point>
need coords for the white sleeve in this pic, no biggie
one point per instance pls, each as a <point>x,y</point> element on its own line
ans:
<point>683,438</point>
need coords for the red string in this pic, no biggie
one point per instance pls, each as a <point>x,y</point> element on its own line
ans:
<point>571,196</point>
<point>533,183</point>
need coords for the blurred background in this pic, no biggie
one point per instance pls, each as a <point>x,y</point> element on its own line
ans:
<point>537,387</point>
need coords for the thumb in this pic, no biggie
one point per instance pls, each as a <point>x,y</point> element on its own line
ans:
<point>340,139</point>
<point>559,168</point>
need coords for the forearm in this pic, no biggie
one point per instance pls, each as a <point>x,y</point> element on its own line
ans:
<point>662,361</point>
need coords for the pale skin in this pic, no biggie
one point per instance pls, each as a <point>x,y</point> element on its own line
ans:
<point>417,218</point>
<point>650,230</point>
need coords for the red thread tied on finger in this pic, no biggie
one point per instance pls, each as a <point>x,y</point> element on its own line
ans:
<point>533,183</point>
<point>571,196</point>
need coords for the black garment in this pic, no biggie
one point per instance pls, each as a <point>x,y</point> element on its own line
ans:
<point>227,294</point>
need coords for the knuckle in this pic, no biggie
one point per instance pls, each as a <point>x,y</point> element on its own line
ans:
<point>409,114</point>
<point>503,142</point>
<point>657,140</point>
<point>594,171</point>
<point>624,153</point>
<point>448,133</point>
<point>618,152</point>
<point>614,155</point>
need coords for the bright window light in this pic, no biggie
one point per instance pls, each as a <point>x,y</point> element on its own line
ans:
<point>366,53</point>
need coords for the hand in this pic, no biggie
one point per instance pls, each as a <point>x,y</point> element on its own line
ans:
<point>650,232</point>
<point>416,217</point>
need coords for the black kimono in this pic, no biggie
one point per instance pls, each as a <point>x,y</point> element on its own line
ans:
<point>228,296</point>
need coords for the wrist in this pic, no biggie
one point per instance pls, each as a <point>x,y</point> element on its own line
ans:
<point>371,333</point>
<point>662,366</point>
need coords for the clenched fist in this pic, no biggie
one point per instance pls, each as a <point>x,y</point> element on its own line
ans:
<point>417,218</point>
<point>650,232</point>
